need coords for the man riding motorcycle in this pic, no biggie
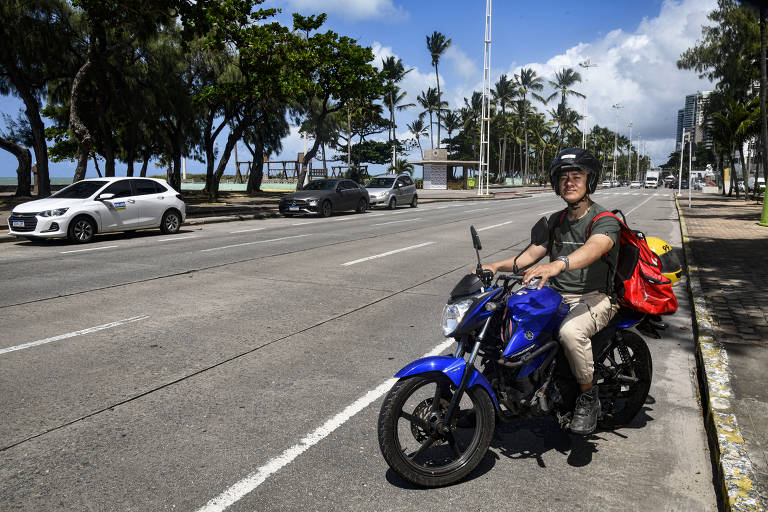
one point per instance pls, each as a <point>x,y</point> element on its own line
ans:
<point>581,267</point>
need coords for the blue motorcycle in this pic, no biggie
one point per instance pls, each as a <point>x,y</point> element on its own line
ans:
<point>437,421</point>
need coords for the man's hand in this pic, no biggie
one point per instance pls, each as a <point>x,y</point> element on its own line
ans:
<point>545,271</point>
<point>493,267</point>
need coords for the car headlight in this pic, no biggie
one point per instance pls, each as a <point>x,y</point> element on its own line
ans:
<point>53,213</point>
<point>312,202</point>
<point>453,314</point>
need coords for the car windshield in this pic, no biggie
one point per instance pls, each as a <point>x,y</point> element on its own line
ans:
<point>80,190</point>
<point>380,183</point>
<point>320,185</point>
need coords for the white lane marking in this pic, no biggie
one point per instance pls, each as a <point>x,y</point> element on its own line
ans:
<point>389,253</point>
<point>251,243</point>
<point>447,206</point>
<point>476,210</point>
<point>173,239</point>
<point>550,211</point>
<point>91,249</point>
<point>248,484</point>
<point>73,334</point>
<point>638,206</point>
<point>245,230</point>
<point>374,215</point>
<point>496,225</point>
<point>396,221</point>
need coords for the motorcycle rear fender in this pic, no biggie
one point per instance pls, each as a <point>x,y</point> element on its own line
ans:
<point>452,367</point>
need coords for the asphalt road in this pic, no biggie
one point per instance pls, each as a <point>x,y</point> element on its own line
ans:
<point>243,365</point>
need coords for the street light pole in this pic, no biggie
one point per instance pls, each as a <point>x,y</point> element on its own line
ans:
<point>680,174</point>
<point>638,157</point>
<point>690,161</point>
<point>629,153</point>
<point>586,65</point>
<point>616,107</point>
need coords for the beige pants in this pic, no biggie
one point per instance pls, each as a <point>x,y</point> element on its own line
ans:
<point>589,313</point>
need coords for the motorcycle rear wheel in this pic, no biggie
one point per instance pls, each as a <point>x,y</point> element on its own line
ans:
<point>621,399</point>
<point>416,450</point>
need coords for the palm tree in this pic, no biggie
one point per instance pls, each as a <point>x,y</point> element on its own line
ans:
<point>430,102</point>
<point>437,44</point>
<point>504,91</point>
<point>564,80</point>
<point>739,120</point>
<point>451,122</point>
<point>526,82</point>
<point>393,72</point>
<point>418,130</point>
<point>400,166</point>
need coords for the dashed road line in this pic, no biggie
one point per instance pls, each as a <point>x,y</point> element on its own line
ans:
<point>245,230</point>
<point>176,238</point>
<point>476,210</point>
<point>396,221</point>
<point>388,253</point>
<point>251,243</point>
<point>73,334</point>
<point>90,249</point>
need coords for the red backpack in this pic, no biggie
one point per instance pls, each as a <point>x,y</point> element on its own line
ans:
<point>640,285</point>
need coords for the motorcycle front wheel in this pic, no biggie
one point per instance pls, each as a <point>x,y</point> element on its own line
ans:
<point>417,443</point>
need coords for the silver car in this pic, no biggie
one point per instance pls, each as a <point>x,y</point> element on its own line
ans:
<point>392,190</point>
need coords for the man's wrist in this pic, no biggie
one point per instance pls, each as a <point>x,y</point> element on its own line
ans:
<point>564,259</point>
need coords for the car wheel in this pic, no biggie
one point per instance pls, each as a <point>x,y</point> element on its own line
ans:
<point>362,206</point>
<point>326,209</point>
<point>171,222</point>
<point>415,201</point>
<point>392,204</point>
<point>81,230</point>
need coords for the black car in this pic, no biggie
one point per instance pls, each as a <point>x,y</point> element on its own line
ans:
<point>323,197</point>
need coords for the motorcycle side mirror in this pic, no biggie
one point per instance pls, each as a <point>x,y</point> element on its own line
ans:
<point>475,238</point>
<point>540,233</point>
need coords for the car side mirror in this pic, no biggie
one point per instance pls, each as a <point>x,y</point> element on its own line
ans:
<point>540,233</point>
<point>104,197</point>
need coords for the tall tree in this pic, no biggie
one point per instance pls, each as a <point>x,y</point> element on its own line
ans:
<point>563,83</point>
<point>429,100</point>
<point>437,44</point>
<point>15,140</point>
<point>418,130</point>
<point>503,92</point>
<point>527,82</point>
<point>35,50</point>
<point>336,70</point>
<point>393,71</point>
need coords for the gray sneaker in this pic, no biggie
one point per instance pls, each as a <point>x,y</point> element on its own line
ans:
<point>585,414</point>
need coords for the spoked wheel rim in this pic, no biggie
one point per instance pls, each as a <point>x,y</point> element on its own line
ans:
<point>326,209</point>
<point>362,206</point>
<point>627,372</point>
<point>82,230</point>
<point>425,442</point>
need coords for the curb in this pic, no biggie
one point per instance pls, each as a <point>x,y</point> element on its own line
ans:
<point>732,462</point>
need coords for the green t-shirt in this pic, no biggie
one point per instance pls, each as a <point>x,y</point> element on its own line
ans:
<point>569,236</point>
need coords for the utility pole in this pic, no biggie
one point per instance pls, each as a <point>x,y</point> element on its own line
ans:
<point>616,107</point>
<point>485,115</point>
<point>680,174</point>
<point>629,154</point>
<point>638,159</point>
<point>586,65</point>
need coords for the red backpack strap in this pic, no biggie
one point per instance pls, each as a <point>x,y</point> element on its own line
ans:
<point>601,216</point>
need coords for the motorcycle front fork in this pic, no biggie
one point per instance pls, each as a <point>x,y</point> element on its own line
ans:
<point>469,368</point>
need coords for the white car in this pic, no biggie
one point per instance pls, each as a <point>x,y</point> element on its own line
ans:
<point>100,205</point>
<point>607,184</point>
<point>635,184</point>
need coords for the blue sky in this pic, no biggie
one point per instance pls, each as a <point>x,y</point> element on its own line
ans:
<point>634,44</point>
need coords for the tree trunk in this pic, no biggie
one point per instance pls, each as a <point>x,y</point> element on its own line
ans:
<point>145,162</point>
<point>76,123</point>
<point>257,171</point>
<point>234,135</point>
<point>763,115</point>
<point>431,134</point>
<point>744,172</point>
<point>24,170</point>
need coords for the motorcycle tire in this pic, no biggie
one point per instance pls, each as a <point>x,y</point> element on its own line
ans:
<point>418,452</point>
<point>620,399</point>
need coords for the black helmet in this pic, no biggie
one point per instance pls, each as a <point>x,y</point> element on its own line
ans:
<point>575,157</point>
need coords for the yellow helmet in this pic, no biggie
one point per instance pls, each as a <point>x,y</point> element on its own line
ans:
<point>670,265</point>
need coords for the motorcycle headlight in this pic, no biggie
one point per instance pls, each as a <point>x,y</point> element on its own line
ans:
<point>53,213</point>
<point>453,314</point>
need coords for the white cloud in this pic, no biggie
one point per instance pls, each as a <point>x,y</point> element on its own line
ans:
<point>462,64</point>
<point>354,9</point>
<point>639,71</point>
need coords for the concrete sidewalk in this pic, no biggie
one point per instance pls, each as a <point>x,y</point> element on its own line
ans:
<point>726,251</point>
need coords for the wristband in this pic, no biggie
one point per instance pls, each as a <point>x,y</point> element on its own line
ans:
<point>565,260</point>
